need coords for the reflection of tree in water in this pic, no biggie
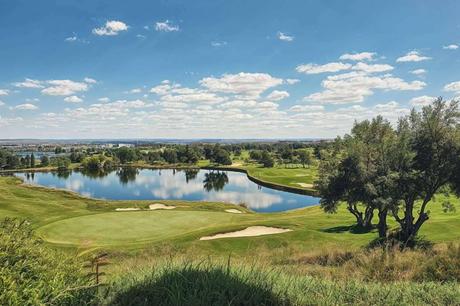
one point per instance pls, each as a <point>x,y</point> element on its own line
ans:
<point>215,180</point>
<point>62,174</point>
<point>190,174</point>
<point>94,173</point>
<point>127,174</point>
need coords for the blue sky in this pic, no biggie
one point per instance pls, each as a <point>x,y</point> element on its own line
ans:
<point>220,69</point>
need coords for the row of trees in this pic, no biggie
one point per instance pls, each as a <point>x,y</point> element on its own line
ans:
<point>394,172</point>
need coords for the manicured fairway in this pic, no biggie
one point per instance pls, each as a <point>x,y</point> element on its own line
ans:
<point>131,228</point>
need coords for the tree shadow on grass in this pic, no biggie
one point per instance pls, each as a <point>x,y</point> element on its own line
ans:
<point>354,229</point>
<point>189,285</point>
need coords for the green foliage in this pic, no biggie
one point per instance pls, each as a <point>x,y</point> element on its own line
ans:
<point>267,160</point>
<point>61,162</point>
<point>44,161</point>
<point>31,274</point>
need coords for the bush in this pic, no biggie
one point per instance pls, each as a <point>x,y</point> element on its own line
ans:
<point>31,274</point>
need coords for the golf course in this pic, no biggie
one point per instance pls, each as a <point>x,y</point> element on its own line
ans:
<point>65,219</point>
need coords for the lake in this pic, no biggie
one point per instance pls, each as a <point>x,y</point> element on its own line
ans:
<point>171,184</point>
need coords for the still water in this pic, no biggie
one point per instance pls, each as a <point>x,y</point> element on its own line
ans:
<point>170,184</point>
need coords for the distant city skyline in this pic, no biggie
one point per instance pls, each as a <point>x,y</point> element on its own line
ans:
<point>220,69</point>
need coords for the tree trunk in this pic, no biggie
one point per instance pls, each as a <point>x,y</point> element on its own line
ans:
<point>368,215</point>
<point>382,226</point>
<point>362,220</point>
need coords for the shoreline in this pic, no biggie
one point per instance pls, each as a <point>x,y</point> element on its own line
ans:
<point>271,185</point>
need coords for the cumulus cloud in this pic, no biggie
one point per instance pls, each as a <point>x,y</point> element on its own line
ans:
<point>89,80</point>
<point>292,81</point>
<point>363,56</point>
<point>64,88</point>
<point>450,47</point>
<point>306,108</point>
<point>71,38</point>
<point>329,67</point>
<point>166,26</point>
<point>418,72</point>
<point>73,99</point>
<point>241,84</point>
<point>372,68</point>
<point>277,95</point>
<point>422,101</point>
<point>4,92</point>
<point>285,37</point>
<point>29,83</point>
<point>412,56</point>
<point>2,103</point>
<point>454,86</point>
<point>104,99</point>
<point>355,86</point>
<point>26,106</point>
<point>111,28</point>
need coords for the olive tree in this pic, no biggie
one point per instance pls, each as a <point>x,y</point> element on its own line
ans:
<point>429,160</point>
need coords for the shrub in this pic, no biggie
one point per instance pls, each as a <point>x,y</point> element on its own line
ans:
<point>31,274</point>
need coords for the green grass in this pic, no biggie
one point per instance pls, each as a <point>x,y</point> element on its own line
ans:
<point>69,220</point>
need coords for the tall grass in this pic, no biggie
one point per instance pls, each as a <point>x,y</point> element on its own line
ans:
<point>217,283</point>
<point>31,274</point>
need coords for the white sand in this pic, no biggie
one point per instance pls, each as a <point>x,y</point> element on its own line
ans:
<point>305,185</point>
<point>249,232</point>
<point>127,209</point>
<point>160,206</point>
<point>234,211</point>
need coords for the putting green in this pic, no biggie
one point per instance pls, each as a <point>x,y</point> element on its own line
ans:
<point>134,227</point>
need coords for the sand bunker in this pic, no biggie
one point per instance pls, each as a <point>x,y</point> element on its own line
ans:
<point>305,185</point>
<point>160,206</point>
<point>234,211</point>
<point>127,209</point>
<point>249,232</point>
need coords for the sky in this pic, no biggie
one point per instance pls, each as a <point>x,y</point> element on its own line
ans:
<point>220,69</point>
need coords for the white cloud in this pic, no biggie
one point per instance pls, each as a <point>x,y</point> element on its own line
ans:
<point>422,101</point>
<point>64,88</point>
<point>315,69</point>
<point>355,86</point>
<point>73,99</point>
<point>292,81</point>
<point>104,99</point>
<point>111,28</point>
<point>306,108</point>
<point>90,80</point>
<point>372,68</point>
<point>285,37</point>
<point>419,72</point>
<point>412,56</point>
<point>71,38</point>
<point>363,56</point>
<point>166,26</point>
<point>2,103</point>
<point>454,86</point>
<point>277,95</point>
<point>29,83</point>
<point>241,84</point>
<point>450,47</point>
<point>26,106</point>
<point>218,43</point>
<point>133,91</point>
<point>4,92</point>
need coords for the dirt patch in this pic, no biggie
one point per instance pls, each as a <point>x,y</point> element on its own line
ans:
<point>127,209</point>
<point>160,206</point>
<point>249,232</point>
<point>305,185</point>
<point>234,211</point>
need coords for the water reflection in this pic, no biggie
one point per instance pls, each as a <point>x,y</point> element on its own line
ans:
<point>215,180</point>
<point>127,175</point>
<point>192,185</point>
